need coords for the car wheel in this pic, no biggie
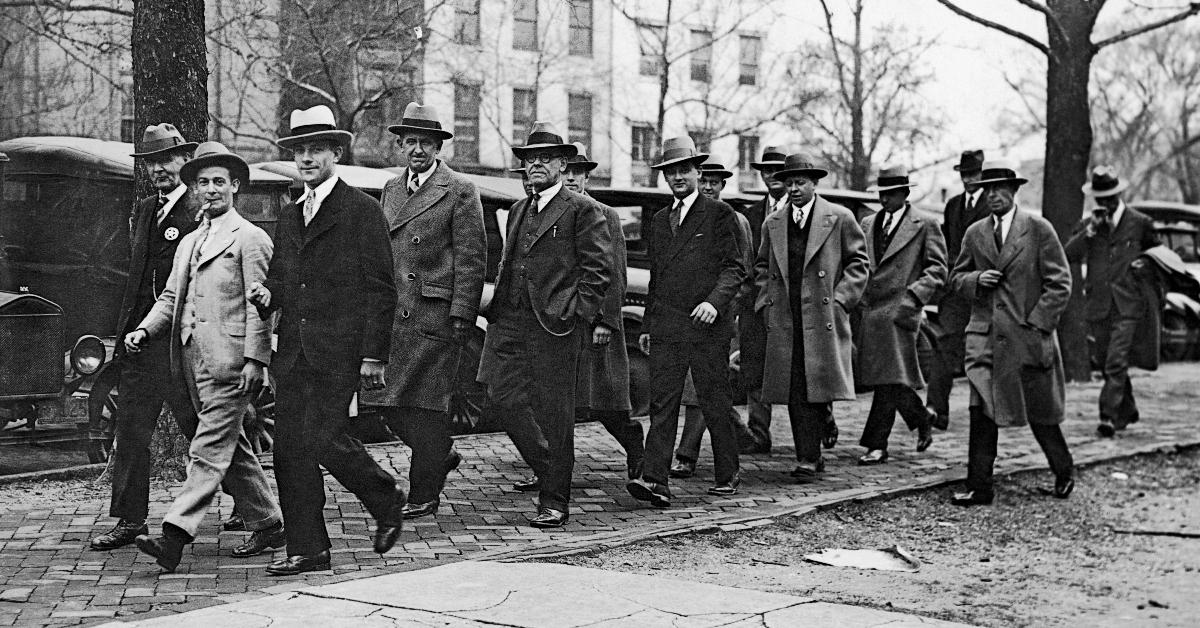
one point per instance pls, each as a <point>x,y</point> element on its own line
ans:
<point>468,400</point>
<point>102,411</point>
<point>926,350</point>
<point>639,381</point>
<point>259,422</point>
<point>1177,337</point>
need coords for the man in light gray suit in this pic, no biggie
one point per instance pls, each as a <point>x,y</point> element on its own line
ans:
<point>220,347</point>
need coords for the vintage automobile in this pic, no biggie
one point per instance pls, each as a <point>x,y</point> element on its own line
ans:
<point>64,251</point>
<point>1178,227</point>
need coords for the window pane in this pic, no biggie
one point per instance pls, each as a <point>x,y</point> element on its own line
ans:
<point>466,123</point>
<point>747,150</point>
<point>466,21</point>
<point>650,42</point>
<point>525,16</point>
<point>524,113</point>
<point>579,118</point>
<point>701,55</point>
<point>581,27</point>
<point>642,146</point>
<point>751,50</point>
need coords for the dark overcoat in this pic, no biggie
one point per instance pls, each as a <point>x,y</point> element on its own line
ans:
<point>603,381</point>
<point>1013,360</point>
<point>909,274</point>
<point>836,268</point>
<point>332,280</point>
<point>1108,257</point>
<point>439,251</point>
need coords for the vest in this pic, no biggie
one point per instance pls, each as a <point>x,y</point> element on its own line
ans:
<point>518,290</point>
<point>797,248</point>
<point>160,252</point>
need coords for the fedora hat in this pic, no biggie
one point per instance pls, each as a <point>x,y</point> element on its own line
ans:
<point>1104,183</point>
<point>422,119</point>
<point>891,178</point>
<point>970,161</point>
<point>713,168</point>
<point>800,164</point>
<point>772,156</point>
<point>543,136</point>
<point>580,160</point>
<point>1001,171</point>
<point>215,154</point>
<point>679,150</point>
<point>314,123</point>
<point>160,138</point>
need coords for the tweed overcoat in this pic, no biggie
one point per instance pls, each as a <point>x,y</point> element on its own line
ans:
<point>439,251</point>
<point>909,274</point>
<point>835,274</point>
<point>1013,361</point>
<point>1108,257</point>
<point>603,381</point>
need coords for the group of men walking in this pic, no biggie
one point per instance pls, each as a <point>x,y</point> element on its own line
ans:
<point>825,306</point>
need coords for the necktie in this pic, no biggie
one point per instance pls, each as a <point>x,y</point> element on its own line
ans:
<point>798,216</point>
<point>533,203</point>
<point>998,233</point>
<point>969,205</point>
<point>676,213</point>
<point>887,225</point>
<point>413,184</point>
<point>200,240</point>
<point>310,207</point>
<point>162,212</point>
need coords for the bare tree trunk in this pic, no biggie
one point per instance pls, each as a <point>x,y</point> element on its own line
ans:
<point>664,86</point>
<point>860,167</point>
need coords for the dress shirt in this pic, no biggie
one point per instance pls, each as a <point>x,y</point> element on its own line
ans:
<point>318,193</point>
<point>545,196</point>
<point>777,204</point>
<point>215,226</point>
<point>1114,218</point>
<point>1005,222</point>
<point>422,177</point>
<point>895,219</point>
<point>971,199</point>
<point>800,215</point>
<point>688,201</point>
<point>172,197</point>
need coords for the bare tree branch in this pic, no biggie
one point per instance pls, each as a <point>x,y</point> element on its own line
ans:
<point>1043,48</point>
<point>67,6</point>
<point>1192,9</point>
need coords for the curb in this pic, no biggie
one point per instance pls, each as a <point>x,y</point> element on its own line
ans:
<point>88,471</point>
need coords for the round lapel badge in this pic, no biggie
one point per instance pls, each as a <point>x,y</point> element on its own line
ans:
<point>171,234</point>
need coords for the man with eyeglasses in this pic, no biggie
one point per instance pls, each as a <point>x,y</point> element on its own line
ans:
<point>555,271</point>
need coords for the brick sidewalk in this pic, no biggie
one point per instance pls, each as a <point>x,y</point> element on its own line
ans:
<point>49,578</point>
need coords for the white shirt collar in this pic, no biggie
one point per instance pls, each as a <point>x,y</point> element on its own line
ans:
<point>973,197</point>
<point>896,217</point>
<point>1005,222</point>
<point>777,203</point>
<point>547,195</point>
<point>1114,219</point>
<point>422,177</point>
<point>319,193</point>
<point>800,215</point>
<point>688,201</point>
<point>173,197</point>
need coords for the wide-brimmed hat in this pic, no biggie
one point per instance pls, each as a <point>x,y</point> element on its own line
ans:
<point>772,156</point>
<point>714,168</point>
<point>580,160</point>
<point>161,138</point>
<point>422,119</point>
<point>215,154</point>
<point>543,136</point>
<point>676,150</point>
<point>314,123</point>
<point>891,178</point>
<point>1104,183</point>
<point>801,164</point>
<point>970,161</point>
<point>1001,171</point>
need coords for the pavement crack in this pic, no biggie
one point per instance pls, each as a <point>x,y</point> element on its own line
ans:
<point>383,605</point>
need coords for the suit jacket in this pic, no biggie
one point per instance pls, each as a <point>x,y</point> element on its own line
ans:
<point>1108,256</point>
<point>755,214</point>
<point>143,262</point>
<point>569,263</point>
<point>439,252</point>
<point>903,279</point>
<point>1014,362</point>
<point>332,280</point>
<point>835,274</point>
<point>701,262</point>
<point>956,219</point>
<point>603,382</point>
<point>228,331</point>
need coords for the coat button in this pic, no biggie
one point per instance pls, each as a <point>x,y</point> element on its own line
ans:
<point>304,320</point>
<point>820,273</point>
<point>416,240</point>
<point>303,285</point>
<point>404,314</point>
<point>825,300</point>
<point>828,325</point>
<point>411,276</point>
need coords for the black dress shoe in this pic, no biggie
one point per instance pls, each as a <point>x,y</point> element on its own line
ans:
<point>413,511</point>
<point>387,529</point>
<point>167,551</point>
<point>873,457</point>
<point>549,518</point>
<point>808,471</point>
<point>529,484</point>
<point>657,494</point>
<point>299,563</point>
<point>940,421</point>
<point>453,459</point>
<point>262,540</point>
<point>633,466</point>
<point>829,441</point>
<point>121,535</point>
<point>727,488</point>
<point>1062,488</point>
<point>756,448</point>
<point>972,498</point>
<point>924,436</point>
<point>683,469</point>
<point>1106,429</point>
<point>234,523</point>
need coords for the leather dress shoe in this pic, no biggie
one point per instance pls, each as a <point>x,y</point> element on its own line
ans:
<point>727,488</point>
<point>755,448</point>
<point>387,530</point>
<point>971,498</point>
<point>1106,429</point>
<point>808,471</point>
<point>453,459</point>
<point>657,494</point>
<point>262,540</point>
<point>299,563</point>
<point>234,523</point>
<point>683,469</point>
<point>1062,488</point>
<point>528,485</point>
<point>167,551</point>
<point>413,511</point>
<point>633,466</point>
<point>940,421</point>
<point>924,436</point>
<point>873,457</point>
<point>549,518</point>
<point>829,440</point>
<point>121,535</point>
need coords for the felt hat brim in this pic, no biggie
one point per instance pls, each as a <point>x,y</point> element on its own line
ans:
<point>180,147</point>
<point>585,165</point>
<point>341,137</point>
<point>567,149</point>
<point>818,173</point>
<point>1121,186</point>
<point>401,129</point>
<point>696,159</point>
<point>238,168</point>
<point>885,188</point>
<point>759,165</point>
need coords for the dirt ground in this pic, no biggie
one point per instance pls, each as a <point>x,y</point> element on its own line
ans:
<point>1028,560</point>
<point>26,458</point>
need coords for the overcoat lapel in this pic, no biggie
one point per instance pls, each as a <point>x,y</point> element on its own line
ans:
<point>905,232</point>
<point>1015,242</point>
<point>687,229</point>
<point>326,216</point>
<point>426,196</point>
<point>776,225</point>
<point>868,227</point>
<point>820,226</point>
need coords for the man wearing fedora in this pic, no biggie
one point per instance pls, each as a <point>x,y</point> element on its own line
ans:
<point>219,347</point>
<point>331,279</point>
<point>1108,241</point>
<point>603,390</point>
<point>811,271</point>
<point>438,253</point>
<point>696,270</point>
<point>556,267</point>
<point>908,268</point>
<point>962,210</point>
<point>156,227</point>
<point>1013,271</point>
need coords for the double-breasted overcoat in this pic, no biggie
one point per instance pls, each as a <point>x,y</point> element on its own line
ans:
<point>603,382</point>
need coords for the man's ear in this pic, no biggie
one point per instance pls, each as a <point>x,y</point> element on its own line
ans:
<point>236,184</point>
<point>338,150</point>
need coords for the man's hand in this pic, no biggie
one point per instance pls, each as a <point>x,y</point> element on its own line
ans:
<point>259,296</point>
<point>990,278</point>
<point>460,328</point>
<point>253,376</point>
<point>601,335</point>
<point>644,343</point>
<point>370,374</point>
<point>134,340</point>
<point>704,314</point>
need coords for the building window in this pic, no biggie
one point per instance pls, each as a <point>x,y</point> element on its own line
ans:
<point>747,151</point>
<point>579,118</point>
<point>643,144</point>
<point>525,27</point>
<point>466,122</point>
<point>702,139</point>
<point>701,55</point>
<point>581,27</point>
<point>650,40</point>
<point>524,112</point>
<point>466,21</point>
<point>127,129</point>
<point>751,50</point>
